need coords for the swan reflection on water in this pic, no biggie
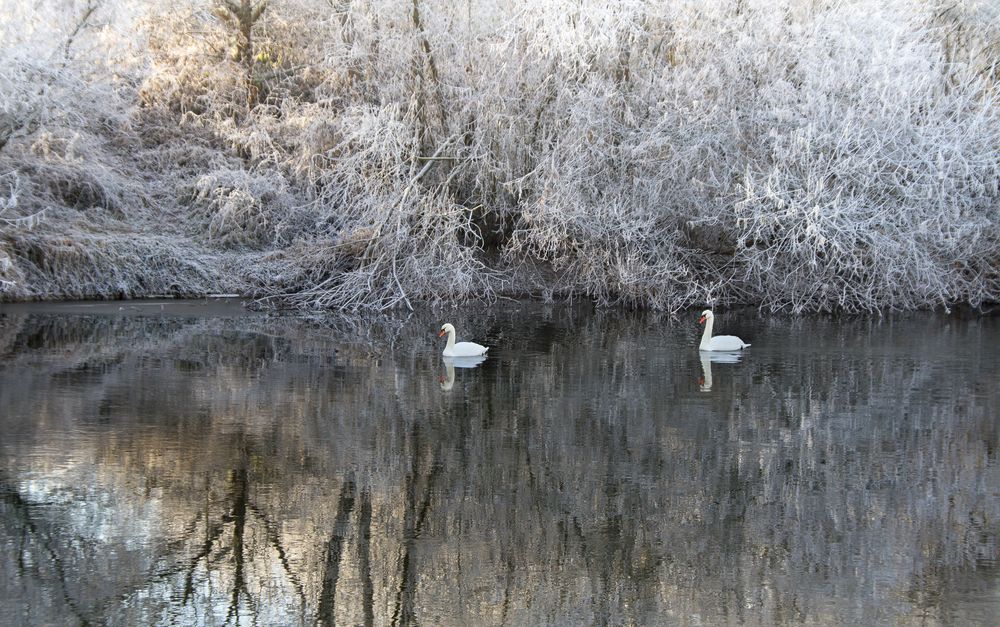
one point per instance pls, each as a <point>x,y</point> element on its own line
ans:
<point>450,363</point>
<point>719,357</point>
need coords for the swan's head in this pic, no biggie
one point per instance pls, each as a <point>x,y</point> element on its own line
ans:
<point>446,328</point>
<point>705,315</point>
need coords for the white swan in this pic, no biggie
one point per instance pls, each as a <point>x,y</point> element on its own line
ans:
<point>719,342</point>
<point>461,349</point>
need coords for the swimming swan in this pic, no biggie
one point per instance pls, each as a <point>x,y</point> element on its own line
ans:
<point>719,342</point>
<point>460,349</point>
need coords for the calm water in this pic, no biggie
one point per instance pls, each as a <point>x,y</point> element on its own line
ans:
<point>195,465</point>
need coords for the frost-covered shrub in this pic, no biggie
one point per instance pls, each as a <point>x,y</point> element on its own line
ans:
<point>190,71</point>
<point>381,237</point>
<point>84,224</point>
<point>56,155</point>
<point>9,192</point>
<point>77,172</point>
<point>198,65</point>
<point>116,266</point>
<point>802,155</point>
<point>876,182</point>
<point>239,208</point>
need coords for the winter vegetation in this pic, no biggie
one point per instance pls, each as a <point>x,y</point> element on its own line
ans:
<point>799,155</point>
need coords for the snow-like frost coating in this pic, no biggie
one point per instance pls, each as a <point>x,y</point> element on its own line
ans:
<point>820,155</point>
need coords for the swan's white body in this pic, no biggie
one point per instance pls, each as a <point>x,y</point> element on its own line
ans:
<point>719,342</point>
<point>460,349</point>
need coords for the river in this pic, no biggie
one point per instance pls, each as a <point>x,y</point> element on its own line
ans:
<point>197,463</point>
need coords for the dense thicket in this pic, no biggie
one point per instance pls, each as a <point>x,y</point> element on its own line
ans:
<point>799,154</point>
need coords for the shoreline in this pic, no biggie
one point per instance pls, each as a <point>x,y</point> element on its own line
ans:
<point>230,304</point>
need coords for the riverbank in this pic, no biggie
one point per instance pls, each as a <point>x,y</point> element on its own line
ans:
<point>799,157</point>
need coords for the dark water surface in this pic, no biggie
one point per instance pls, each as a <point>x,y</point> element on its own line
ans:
<point>201,465</point>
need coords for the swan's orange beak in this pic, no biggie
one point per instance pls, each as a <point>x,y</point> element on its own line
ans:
<point>441,334</point>
<point>701,320</point>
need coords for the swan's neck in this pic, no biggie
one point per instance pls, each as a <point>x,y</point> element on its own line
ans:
<point>706,335</point>
<point>451,340</point>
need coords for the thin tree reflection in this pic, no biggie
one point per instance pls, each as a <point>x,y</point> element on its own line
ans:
<point>36,548</point>
<point>334,551</point>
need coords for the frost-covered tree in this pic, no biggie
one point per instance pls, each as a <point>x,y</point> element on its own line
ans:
<point>241,18</point>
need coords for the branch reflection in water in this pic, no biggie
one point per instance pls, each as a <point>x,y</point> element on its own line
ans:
<point>181,470</point>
